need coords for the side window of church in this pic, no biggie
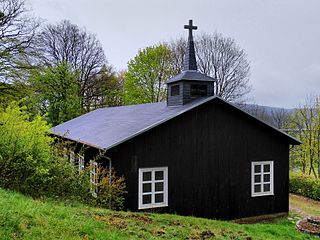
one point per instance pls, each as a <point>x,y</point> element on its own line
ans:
<point>198,90</point>
<point>153,187</point>
<point>81,162</point>
<point>72,157</point>
<point>261,178</point>
<point>93,178</point>
<point>175,90</point>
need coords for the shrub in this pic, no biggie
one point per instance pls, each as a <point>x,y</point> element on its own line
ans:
<point>28,159</point>
<point>110,189</point>
<point>24,148</point>
<point>33,163</point>
<point>304,185</point>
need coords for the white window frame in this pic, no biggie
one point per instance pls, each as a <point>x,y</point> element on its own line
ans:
<point>72,157</point>
<point>153,204</point>
<point>81,162</point>
<point>262,182</point>
<point>93,178</point>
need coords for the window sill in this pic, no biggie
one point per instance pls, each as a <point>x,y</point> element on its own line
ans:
<point>262,194</point>
<point>152,206</point>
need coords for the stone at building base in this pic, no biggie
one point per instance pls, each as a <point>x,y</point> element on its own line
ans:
<point>261,218</point>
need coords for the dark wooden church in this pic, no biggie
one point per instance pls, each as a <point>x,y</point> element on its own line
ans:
<point>195,154</point>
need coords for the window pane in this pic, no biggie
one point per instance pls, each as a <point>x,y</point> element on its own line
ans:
<point>257,188</point>
<point>175,90</point>
<point>159,175</point>
<point>159,198</point>
<point>266,187</point>
<point>146,199</point>
<point>257,168</point>
<point>146,187</point>
<point>159,186</point>
<point>257,178</point>
<point>198,90</point>
<point>146,176</point>
<point>266,168</point>
<point>266,177</point>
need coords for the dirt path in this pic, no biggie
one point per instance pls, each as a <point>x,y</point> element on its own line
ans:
<point>304,206</point>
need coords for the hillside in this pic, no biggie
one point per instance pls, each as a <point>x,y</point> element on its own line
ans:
<point>24,218</point>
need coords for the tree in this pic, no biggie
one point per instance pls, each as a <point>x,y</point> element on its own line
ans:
<point>57,93</point>
<point>279,118</point>
<point>107,90</point>
<point>17,32</point>
<point>148,71</point>
<point>65,42</point>
<point>305,124</point>
<point>220,58</point>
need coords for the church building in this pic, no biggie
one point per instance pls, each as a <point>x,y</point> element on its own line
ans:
<point>195,154</point>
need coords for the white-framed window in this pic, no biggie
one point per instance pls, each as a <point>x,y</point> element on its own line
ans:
<point>72,157</point>
<point>80,162</point>
<point>261,178</point>
<point>65,152</point>
<point>153,187</point>
<point>93,178</point>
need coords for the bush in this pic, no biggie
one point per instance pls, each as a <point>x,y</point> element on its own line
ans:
<point>28,159</point>
<point>110,189</point>
<point>33,163</point>
<point>304,185</point>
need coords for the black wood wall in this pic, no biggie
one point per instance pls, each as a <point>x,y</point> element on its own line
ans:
<point>208,151</point>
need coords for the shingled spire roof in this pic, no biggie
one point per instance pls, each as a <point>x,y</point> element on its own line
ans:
<point>189,68</point>
<point>190,62</point>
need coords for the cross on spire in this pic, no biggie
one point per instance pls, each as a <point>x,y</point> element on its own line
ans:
<point>190,62</point>
<point>190,27</point>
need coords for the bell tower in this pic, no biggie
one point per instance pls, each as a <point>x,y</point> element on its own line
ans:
<point>190,84</point>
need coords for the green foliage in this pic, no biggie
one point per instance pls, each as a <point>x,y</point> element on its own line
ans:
<point>111,189</point>
<point>32,163</point>
<point>58,93</point>
<point>24,218</point>
<point>24,148</point>
<point>305,185</point>
<point>28,161</point>
<point>305,121</point>
<point>14,92</point>
<point>147,74</point>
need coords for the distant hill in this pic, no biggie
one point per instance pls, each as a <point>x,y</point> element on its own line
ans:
<point>274,116</point>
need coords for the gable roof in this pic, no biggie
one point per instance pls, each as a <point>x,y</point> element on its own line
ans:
<point>106,128</point>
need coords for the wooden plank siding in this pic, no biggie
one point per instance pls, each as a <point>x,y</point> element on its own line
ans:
<point>208,151</point>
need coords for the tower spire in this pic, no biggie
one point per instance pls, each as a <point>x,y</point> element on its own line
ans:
<point>190,62</point>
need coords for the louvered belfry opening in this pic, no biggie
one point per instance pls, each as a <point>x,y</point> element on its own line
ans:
<point>190,84</point>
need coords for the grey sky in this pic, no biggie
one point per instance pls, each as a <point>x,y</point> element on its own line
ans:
<point>281,37</point>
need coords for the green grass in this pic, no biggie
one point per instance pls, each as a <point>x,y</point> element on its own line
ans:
<point>24,218</point>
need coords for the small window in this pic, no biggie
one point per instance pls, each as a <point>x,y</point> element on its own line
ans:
<point>71,157</point>
<point>93,178</point>
<point>81,163</point>
<point>197,90</point>
<point>262,178</point>
<point>153,187</point>
<point>175,90</point>
<point>65,153</point>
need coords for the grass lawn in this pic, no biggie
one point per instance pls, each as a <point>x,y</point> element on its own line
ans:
<point>24,218</point>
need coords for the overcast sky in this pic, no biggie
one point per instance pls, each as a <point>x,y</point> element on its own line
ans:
<point>281,37</point>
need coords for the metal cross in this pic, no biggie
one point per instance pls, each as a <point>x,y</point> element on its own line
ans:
<point>190,27</point>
